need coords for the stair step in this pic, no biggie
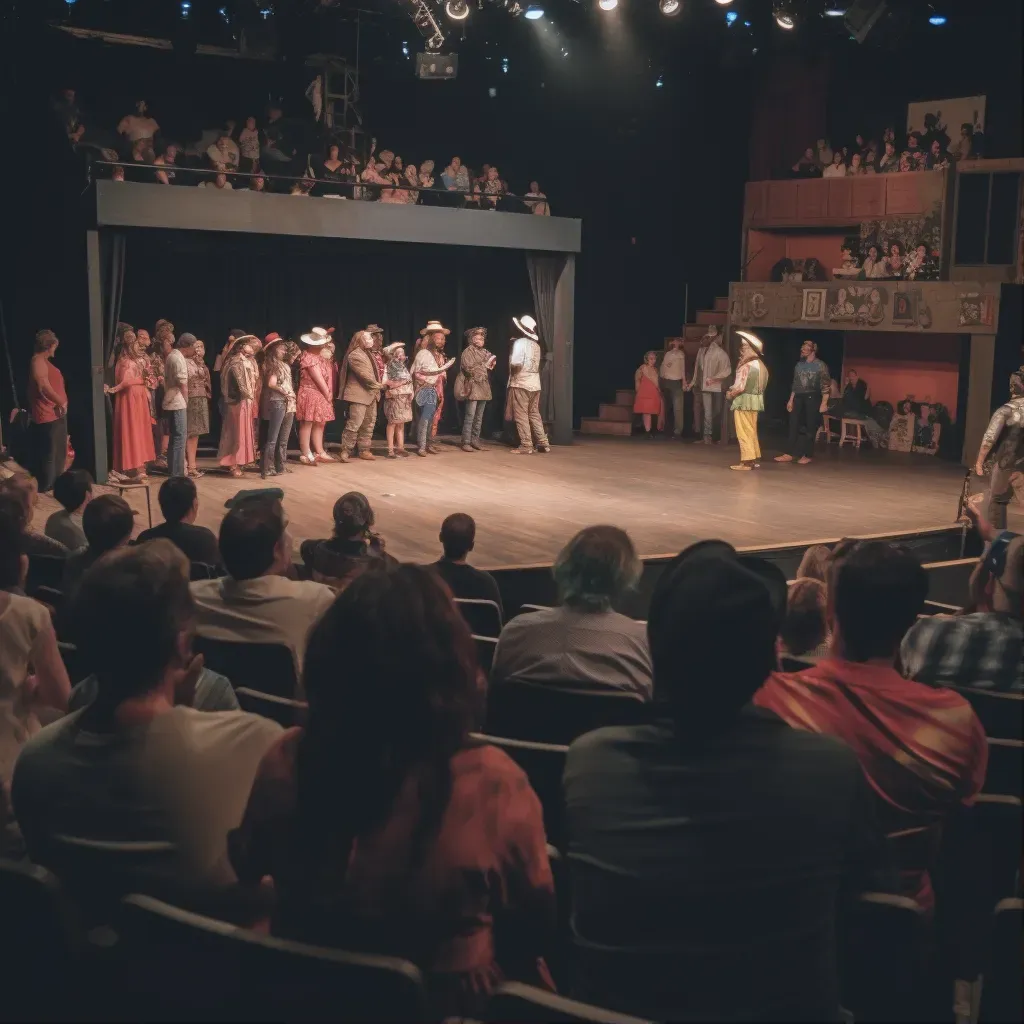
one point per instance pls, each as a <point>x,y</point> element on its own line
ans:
<point>694,332</point>
<point>722,303</point>
<point>712,316</point>
<point>618,413</point>
<point>593,425</point>
<point>625,397</point>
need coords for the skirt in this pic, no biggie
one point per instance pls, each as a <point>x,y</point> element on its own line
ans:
<point>398,409</point>
<point>133,429</point>
<point>312,407</point>
<point>237,444</point>
<point>648,398</point>
<point>198,416</point>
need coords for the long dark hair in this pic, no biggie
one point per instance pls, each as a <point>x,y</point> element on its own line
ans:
<point>391,679</point>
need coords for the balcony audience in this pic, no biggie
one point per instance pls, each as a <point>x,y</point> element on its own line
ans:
<point>24,489</point>
<point>836,169</point>
<point>458,536</point>
<point>584,641</point>
<point>804,630</point>
<point>256,602</point>
<point>139,789</point>
<point>537,201</point>
<point>673,901</point>
<point>922,748</point>
<point>224,154</point>
<point>383,825</point>
<point>139,129</point>
<point>73,489</point>
<point>219,180</point>
<point>167,159</point>
<point>108,521</point>
<point>179,504</point>
<point>249,146</point>
<point>807,166</point>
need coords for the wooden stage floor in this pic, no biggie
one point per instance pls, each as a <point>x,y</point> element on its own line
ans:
<point>667,494</point>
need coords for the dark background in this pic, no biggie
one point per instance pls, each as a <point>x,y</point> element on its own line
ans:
<point>655,172</point>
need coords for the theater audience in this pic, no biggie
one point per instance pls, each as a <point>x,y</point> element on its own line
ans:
<point>224,153</point>
<point>922,748</point>
<point>537,202</point>
<point>814,563</point>
<point>458,536</point>
<point>804,630</point>
<point>166,160</point>
<point>24,488</point>
<point>107,523</point>
<point>139,765</point>
<point>384,826</point>
<point>179,503</point>
<point>256,602</point>
<point>219,180</point>
<point>807,166</point>
<point>212,692</point>
<point>709,848</point>
<point>139,129</point>
<point>73,489</point>
<point>353,549</point>
<point>836,169</point>
<point>583,641</point>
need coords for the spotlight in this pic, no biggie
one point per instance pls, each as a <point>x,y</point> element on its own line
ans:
<point>405,49</point>
<point>937,20</point>
<point>186,8</point>
<point>607,5</point>
<point>534,13</point>
<point>225,17</point>
<point>784,16</point>
<point>660,83</point>
<point>669,8</point>
<point>723,3</point>
<point>730,17</point>
<point>834,10</point>
<point>265,13</point>
<point>457,10</point>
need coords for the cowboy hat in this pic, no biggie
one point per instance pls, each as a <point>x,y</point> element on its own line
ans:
<point>752,340</point>
<point>316,337</point>
<point>389,350</point>
<point>375,329</point>
<point>434,327</point>
<point>247,338</point>
<point>528,326</point>
<point>475,330</point>
<point>271,338</point>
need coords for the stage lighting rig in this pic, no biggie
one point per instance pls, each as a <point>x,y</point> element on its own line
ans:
<point>425,22</point>
<point>785,16</point>
<point>670,8</point>
<point>457,10</point>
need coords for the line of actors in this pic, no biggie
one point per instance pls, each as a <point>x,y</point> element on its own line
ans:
<point>161,395</point>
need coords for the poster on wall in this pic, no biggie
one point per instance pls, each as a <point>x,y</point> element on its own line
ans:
<point>935,118</point>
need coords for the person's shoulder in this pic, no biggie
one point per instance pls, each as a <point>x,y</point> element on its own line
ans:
<point>310,590</point>
<point>208,728</point>
<point>29,610</point>
<point>42,746</point>
<point>489,767</point>
<point>153,533</point>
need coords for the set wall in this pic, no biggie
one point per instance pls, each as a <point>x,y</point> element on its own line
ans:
<point>824,246</point>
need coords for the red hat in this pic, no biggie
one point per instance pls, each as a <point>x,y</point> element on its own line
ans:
<point>272,336</point>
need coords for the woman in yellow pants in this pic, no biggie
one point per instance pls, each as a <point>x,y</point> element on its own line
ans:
<point>747,394</point>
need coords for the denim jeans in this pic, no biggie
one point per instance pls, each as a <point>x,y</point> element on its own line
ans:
<point>473,420</point>
<point>279,427</point>
<point>177,428</point>
<point>712,419</point>
<point>424,424</point>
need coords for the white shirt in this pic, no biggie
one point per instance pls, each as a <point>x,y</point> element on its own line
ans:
<point>712,362</point>
<point>212,184</point>
<point>673,366</point>
<point>268,609</point>
<point>22,623</point>
<point>525,353</point>
<point>834,171</point>
<point>225,158</point>
<point>136,127</point>
<point>175,382</point>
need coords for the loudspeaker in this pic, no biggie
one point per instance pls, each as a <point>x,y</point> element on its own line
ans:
<point>862,16</point>
<point>437,65</point>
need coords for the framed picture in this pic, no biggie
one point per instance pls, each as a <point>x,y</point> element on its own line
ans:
<point>904,308</point>
<point>814,304</point>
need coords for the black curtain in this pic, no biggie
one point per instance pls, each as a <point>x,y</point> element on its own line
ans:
<point>113,247</point>
<point>544,270</point>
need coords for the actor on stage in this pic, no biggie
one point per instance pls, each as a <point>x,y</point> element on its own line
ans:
<point>238,389</point>
<point>747,395</point>
<point>428,368</point>
<point>523,396</point>
<point>197,415</point>
<point>279,404</point>
<point>672,378</point>
<point>397,398</point>
<point>648,400</point>
<point>133,424</point>
<point>439,342</point>
<point>360,385</point>
<point>1005,434</point>
<point>808,399</point>
<point>474,386</point>
<point>711,368</point>
<point>313,399</point>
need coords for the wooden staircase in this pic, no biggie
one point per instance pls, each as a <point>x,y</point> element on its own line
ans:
<point>616,418</point>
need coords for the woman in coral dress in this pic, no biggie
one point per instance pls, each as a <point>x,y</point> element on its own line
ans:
<point>314,404</point>
<point>238,387</point>
<point>649,401</point>
<point>133,425</point>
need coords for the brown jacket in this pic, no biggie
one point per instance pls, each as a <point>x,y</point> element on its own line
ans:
<point>473,366</point>
<point>360,372</point>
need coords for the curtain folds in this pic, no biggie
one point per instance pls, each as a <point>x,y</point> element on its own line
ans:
<point>544,270</point>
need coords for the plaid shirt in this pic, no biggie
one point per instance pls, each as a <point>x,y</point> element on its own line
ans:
<point>983,649</point>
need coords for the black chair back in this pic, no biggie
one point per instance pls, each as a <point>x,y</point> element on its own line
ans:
<point>485,648</point>
<point>283,710</point>
<point>74,663</point>
<point>514,1001</point>
<point>1005,766</point>
<point>1002,714</point>
<point>183,966</point>
<point>267,668</point>
<point>44,571</point>
<point>482,616</point>
<point>1001,996</point>
<point>558,712</point>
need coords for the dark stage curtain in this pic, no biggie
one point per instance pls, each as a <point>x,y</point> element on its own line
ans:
<point>544,270</point>
<point>113,247</point>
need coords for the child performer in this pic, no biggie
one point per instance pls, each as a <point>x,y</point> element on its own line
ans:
<point>397,398</point>
<point>747,394</point>
<point>198,411</point>
<point>648,401</point>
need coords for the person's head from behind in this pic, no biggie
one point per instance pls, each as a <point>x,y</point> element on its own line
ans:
<point>179,499</point>
<point>145,590</point>
<point>712,628</point>
<point>353,516</point>
<point>997,582</point>
<point>254,539</point>
<point>186,344</point>
<point>875,591</point>
<point>596,568</point>
<point>804,626</point>
<point>24,488</point>
<point>107,523</point>
<point>458,536</point>
<point>13,560</point>
<point>46,343</point>
<point>814,562</point>
<point>73,489</point>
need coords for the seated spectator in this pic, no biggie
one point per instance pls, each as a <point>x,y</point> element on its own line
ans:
<point>73,489</point>
<point>856,167</point>
<point>493,187</point>
<point>937,159</point>
<point>583,641</point>
<point>823,151</point>
<point>224,154</point>
<point>249,146</point>
<point>871,158</point>
<point>455,177</point>
<point>179,503</point>
<point>962,148</point>
<point>139,129</point>
<point>836,169</point>
<point>276,148</point>
<point>24,488</point>
<point>107,523</point>
<point>166,159</point>
<point>537,202</point>
<point>458,535</point>
<point>139,765</point>
<point>905,165</point>
<point>814,563</point>
<point>888,162</point>
<point>212,692</point>
<point>426,175</point>
<point>219,180</point>
<point>384,827</point>
<point>352,550</point>
<point>804,631</point>
<point>807,165</point>
<point>711,845</point>
<point>922,749</point>
<point>255,602</point>
<point>983,647</point>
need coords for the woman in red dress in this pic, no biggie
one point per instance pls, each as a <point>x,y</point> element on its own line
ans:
<point>314,404</point>
<point>649,400</point>
<point>133,424</point>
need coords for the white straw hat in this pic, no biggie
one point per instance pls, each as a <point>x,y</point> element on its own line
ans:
<point>528,326</point>
<point>316,337</point>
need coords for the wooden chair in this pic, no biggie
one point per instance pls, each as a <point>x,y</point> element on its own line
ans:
<point>514,1001</point>
<point>852,431</point>
<point>482,616</point>
<point>827,428</point>
<point>283,710</point>
<point>268,668</point>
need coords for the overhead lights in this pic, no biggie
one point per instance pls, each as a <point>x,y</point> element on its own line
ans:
<point>457,10</point>
<point>660,83</point>
<point>937,20</point>
<point>784,15</point>
<point>534,13</point>
<point>835,10</point>
<point>723,3</point>
<point>730,17</point>
<point>670,8</point>
<point>607,5</point>
<point>185,8</point>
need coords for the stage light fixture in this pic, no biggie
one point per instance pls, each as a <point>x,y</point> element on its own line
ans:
<point>457,10</point>
<point>937,20</point>
<point>534,13</point>
<point>186,8</point>
<point>265,13</point>
<point>785,18</point>
<point>730,17</point>
<point>835,10</point>
<point>723,3</point>
<point>670,8</point>
<point>607,5</point>
<point>660,83</point>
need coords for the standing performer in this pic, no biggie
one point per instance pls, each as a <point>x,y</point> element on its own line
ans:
<point>808,399</point>
<point>313,406</point>
<point>238,388</point>
<point>197,414</point>
<point>1005,433</point>
<point>441,382</point>
<point>473,384</point>
<point>648,401</point>
<point>360,385</point>
<point>747,394</point>
<point>175,402</point>
<point>279,403</point>
<point>709,371</point>
<point>428,379</point>
<point>523,396</point>
<point>133,426</point>
<point>397,398</point>
<point>672,374</point>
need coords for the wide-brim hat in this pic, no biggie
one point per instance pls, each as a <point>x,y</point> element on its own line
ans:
<point>389,350</point>
<point>753,341</point>
<point>434,327</point>
<point>247,337</point>
<point>271,338</point>
<point>528,326</point>
<point>375,329</point>
<point>474,330</point>
<point>316,337</point>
